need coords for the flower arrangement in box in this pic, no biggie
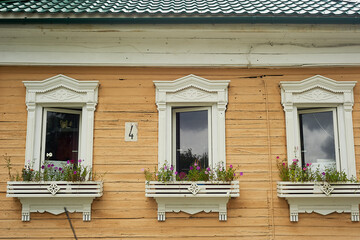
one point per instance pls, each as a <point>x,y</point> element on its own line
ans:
<point>200,189</point>
<point>309,189</point>
<point>167,174</point>
<point>54,189</point>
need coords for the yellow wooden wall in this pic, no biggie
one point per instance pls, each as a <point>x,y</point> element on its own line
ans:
<point>255,135</point>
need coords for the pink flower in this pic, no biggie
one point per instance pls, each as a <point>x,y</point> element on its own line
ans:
<point>295,160</point>
<point>142,169</point>
<point>206,172</point>
<point>74,172</point>
<point>72,161</point>
<point>176,173</point>
<point>307,164</point>
<point>182,175</point>
<point>198,168</point>
<point>171,168</point>
<point>277,157</point>
<point>191,168</point>
<point>220,169</point>
<point>165,167</point>
<point>231,166</point>
<point>304,168</point>
<point>79,160</point>
<point>195,164</point>
<point>241,173</point>
<point>68,162</point>
<point>283,164</point>
<point>323,173</point>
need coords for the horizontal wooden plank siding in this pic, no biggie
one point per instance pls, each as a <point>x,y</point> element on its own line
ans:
<point>255,135</point>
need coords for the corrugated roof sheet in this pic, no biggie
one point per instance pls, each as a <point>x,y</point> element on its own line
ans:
<point>314,8</point>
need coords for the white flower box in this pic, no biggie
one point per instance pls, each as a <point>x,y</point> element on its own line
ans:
<point>192,197</point>
<point>321,197</point>
<point>55,196</point>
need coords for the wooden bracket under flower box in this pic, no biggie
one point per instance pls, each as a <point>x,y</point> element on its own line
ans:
<point>192,197</point>
<point>321,197</point>
<point>54,196</point>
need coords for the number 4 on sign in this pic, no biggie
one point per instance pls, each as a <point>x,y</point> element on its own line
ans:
<point>131,131</point>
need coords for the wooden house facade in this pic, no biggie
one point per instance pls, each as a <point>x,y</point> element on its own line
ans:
<point>274,67</point>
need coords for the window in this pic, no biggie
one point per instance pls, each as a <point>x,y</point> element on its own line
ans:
<point>60,120</point>
<point>319,129</point>
<point>319,138</point>
<point>191,121</point>
<point>191,137</point>
<point>61,135</point>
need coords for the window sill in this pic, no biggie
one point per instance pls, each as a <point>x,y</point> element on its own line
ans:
<point>189,196</point>
<point>54,196</point>
<point>322,198</point>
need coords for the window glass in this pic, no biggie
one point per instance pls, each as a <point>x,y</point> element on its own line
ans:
<point>61,135</point>
<point>192,139</point>
<point>318,139</point>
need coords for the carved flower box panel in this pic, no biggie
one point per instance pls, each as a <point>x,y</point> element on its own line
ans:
<point>322,197</point>
<point>55,196</point>
<point>192,197</point>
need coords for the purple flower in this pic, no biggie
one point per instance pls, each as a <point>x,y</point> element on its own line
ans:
<point>68,162</point>
<point>79,160</point>
<point>191,168</point>
<point>52,165</point>
<point>56,168</point>
<point>231,166</point>
<point>234,174</point>
<point>60,169</point>
<point>165,167</point>
<point>157,174</point>
<point>241,173</point>
<point>72,161</point>
<point>176,173</point>
<point>142,169</point>
<point>42,167</point>
<point>74,172</point>
<point>198,168</point>
<point>49,165</point>
<point>323,173</point>
<point>220,169</point>
<point>171,168</point>
<point>182,175</point>
<point>208,169</point>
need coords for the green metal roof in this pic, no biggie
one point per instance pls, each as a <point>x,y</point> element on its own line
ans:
<point>287,11</point>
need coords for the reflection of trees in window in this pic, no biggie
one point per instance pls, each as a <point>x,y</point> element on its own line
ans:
<point>187,158</point>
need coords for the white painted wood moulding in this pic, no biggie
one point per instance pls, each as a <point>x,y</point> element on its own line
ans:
<point>54,196</point>
<point>192,197</point>
<point>320,92</point>
<point>60,91</point>
<point>321,197</point>
<point>188,91</point>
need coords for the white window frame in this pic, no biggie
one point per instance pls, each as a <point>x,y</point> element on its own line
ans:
<point>191,91</point>
<point>336,131</point>
<point>43,136</point>
<point>60,92</point>
<point>210,139</point>
<point>320,92</point>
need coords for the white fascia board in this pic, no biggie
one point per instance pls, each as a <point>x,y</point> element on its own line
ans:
<point>233,45</point>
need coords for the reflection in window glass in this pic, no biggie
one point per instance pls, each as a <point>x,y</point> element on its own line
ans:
<point>317,138</point>
<point>62,136</point>
<point>191,139</point>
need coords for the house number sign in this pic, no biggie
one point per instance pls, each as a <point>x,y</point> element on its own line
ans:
<point>131,131</point>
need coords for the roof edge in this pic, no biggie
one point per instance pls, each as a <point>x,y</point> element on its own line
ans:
<point>185,20</point>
